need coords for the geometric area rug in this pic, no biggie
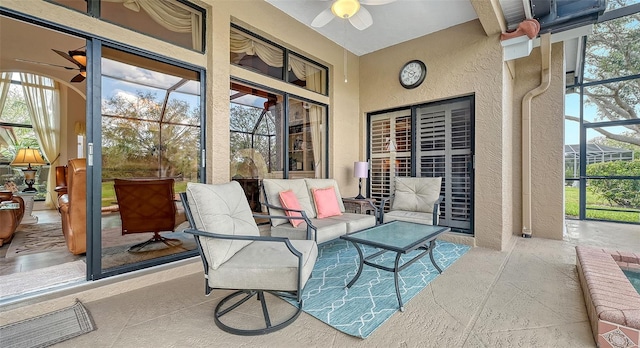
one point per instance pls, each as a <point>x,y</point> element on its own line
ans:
<point>48,329</point>
<point>372,300</point>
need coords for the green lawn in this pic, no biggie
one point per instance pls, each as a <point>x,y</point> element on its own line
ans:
<point>109,195</point>
<point>594,200</point>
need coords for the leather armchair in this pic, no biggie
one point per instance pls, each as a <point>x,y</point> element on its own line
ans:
<point>10,218</point>
<point>73,207</point>
<point>61,180</point>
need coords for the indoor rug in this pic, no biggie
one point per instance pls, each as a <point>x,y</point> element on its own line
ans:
<point>372,300</point>
<point>47,329</point>
<point>41,279</point>
<point>42,237</point>
<point>35,238</point>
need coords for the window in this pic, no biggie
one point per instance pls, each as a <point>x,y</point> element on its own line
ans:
<point>262,56</point>
<point>258,135</point>
<point>178,22</point>
<point>16,128</point>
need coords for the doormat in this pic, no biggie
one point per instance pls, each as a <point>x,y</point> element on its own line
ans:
<point>48,329</point>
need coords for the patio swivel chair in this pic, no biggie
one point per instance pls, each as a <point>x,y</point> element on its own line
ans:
<point>414,200</point>
<point>147,206</point>
<point>236,257</point>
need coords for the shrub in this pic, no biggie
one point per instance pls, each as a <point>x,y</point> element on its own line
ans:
<point>622,192</point>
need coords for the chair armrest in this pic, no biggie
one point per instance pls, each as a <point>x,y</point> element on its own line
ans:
<point>284,240</point>
<point>436,210</point>
<point>304,217</point>
<point>383,201</point>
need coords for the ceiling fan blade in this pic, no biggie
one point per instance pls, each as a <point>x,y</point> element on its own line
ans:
<point>362,19</point>
<point>77,78</point>
<point>48,64</point>
<point>68,57</point>
<point>323,18</point>
<point>376,2</point>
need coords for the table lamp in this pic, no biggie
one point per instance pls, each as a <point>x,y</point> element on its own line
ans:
<point>27,157</point>
<point>360,170</point>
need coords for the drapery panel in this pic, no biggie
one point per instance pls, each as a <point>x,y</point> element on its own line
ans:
<point>315,119</point>
<point>43,102</point>
<point>5,83</point>
<point>171,15</point>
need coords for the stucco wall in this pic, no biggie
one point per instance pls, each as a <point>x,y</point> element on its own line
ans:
<point>547,144</point>
<point>266,20</point>
<point>460,60</point>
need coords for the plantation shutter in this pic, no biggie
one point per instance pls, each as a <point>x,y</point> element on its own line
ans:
<point>443,135</point>
<point>390,151</point>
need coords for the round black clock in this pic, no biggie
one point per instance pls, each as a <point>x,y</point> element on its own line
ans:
<point>412,74</point>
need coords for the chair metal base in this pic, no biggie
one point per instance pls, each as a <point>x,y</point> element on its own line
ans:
<point>170,242</point>
<point>248,295</point>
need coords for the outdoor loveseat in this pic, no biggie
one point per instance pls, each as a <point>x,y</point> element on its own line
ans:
<point>313,208</point>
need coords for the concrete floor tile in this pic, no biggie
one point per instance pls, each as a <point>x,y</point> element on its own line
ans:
<point>508,308</point>
<point>576,335</point>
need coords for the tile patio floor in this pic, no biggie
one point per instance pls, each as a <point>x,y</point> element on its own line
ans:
<point>526,296</point>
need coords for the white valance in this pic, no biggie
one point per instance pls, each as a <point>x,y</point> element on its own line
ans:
<point>172,15</point>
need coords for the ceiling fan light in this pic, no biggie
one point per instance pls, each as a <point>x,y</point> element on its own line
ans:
<point>79,56</point>
<point>345,8</point>
<point>83,73</point>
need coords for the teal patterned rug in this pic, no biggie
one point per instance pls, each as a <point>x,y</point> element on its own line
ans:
<point>372,300</point>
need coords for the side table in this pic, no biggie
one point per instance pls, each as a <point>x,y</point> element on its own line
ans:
<point>28,207</point>
<point>360,206</point>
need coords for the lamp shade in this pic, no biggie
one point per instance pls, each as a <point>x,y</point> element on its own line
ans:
<point>360,169</point>
<point>27,157</point>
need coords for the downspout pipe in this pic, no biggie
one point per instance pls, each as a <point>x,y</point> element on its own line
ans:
<point>545,50</point>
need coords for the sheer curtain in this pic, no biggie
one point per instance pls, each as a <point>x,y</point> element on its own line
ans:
<point>172,15</point>
<point>6,139</point>
<point>43,103</point>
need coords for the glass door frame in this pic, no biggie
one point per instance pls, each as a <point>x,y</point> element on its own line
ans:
<point>94,155</point>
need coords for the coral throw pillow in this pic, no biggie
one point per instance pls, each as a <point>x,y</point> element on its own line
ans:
<point>326,202</point>
<point>289,200</point>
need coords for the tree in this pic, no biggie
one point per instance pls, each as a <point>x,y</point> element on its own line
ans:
<point>140,138</point>
<point>613,50</point>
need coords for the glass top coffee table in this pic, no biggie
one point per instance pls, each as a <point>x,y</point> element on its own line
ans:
<point>399,237</point>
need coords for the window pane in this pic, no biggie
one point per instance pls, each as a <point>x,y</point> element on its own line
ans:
<point>613,199</point>
<point>255,133</point>
<point>306,139</point>
<point>79,5</point>
<point>15,107</point>
<point>307,74</point>
<point>255,54</point>
<point>612,101</point>
<point>149,130</point>
<point>612,49</point>
<point>168,20</point>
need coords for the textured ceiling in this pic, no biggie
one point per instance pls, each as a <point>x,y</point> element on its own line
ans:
<point>393,23</point>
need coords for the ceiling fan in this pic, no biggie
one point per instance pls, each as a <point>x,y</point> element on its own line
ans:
<point>77,57</point>
<point>352,10</point>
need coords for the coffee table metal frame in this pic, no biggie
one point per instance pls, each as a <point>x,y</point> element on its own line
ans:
<point>422,237</point>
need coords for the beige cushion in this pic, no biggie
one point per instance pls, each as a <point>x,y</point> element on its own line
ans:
<point>221,209</point>
<point>409,216</point>
<point>267,266</point>
<point>416,194</point>
<point>355,222</point>
<point>324,183</point>
<point>272,189</point>
<point>328,229</point>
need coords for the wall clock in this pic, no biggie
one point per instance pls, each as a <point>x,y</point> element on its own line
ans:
<point>412,74</point>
